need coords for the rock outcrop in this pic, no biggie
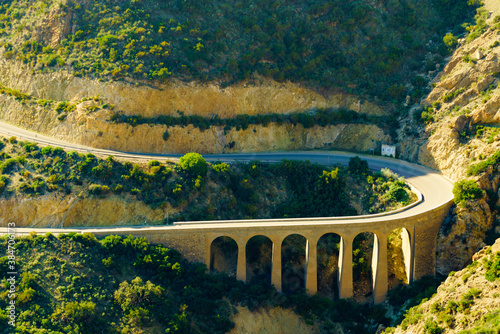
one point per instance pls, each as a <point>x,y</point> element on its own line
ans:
<point>94,129</point>
<point>460,302</point>
<point>73,211</point>
<point>257,96</point>
<point>261,96</point>
<point>462,235</point>
<point>466,93</point>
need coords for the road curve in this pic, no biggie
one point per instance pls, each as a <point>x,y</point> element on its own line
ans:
<point>436,189</point>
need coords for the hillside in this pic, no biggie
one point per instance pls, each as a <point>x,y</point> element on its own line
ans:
<point>204,76</point>
<point>153,63</point>
<point>467,302</point>
<point>361,45</point>
<point>75,283</point>
<point>454,130</point>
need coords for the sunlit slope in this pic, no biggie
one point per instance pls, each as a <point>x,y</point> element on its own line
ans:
<point>362,46</point>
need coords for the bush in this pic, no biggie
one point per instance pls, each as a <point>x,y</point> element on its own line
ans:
<point>193,164</point>
<point>221,167</point>
<point>489,323</point>
<point>81,313</point>
<point>118,189</point>
<point>65,107</point>
<point>358,166</point>
<point>153,163</point>
<point>138,294</point>
<point>7,165</point>
<point>493,270</point>
<point>95,189</point>
<point>432,327</point>
<point>466,190</point>
<point>396,193</point>
<point>490,161</point>
<point>450,41</point>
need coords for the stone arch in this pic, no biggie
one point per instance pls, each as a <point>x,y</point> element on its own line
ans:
<point>328,264</point>
<point>362,265</point>
<point>259,259</point>
<point>293,262</point>
<point>397,268</point>
<point>223,255</point>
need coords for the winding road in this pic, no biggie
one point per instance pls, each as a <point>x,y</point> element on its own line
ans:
<point>436,189</point>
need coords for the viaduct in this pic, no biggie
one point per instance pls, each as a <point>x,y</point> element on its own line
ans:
<point>419,222</point>
<point>419,233</point>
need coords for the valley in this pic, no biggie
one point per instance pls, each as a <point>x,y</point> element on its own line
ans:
<point>114,96</point>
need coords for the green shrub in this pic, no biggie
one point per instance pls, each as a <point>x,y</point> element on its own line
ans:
<point>138,294</point>
<point>47,150</point>
<point>95,189</point>
<point>412,316</point>
<point>118,189</point>
<point>432,327</point>
<point>82,313</point>
<point>193,164</point>
<point>489,324</point>
<point>450,41</point>
<point>65,107</point>
<point>358,166</point>
<point>466,277</point>
<point>448,319</point>
<point>451,307</point>
<point>494,159</point>
<point>466,190</point>
<point>493,269</point>
<point>221,167</point>
<point>436,307</point>
<point>472,293</point>
<point>396,193</point>
<point>7,165</point>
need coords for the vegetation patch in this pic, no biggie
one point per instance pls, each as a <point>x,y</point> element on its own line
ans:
<point>492,160</point>
<point>492,268</point>
<point>489,323</point>
<point>358,46</point>
<point>213,191</point>
<point>467,190</point>
<point>76,283</point>
<point>321,117</point>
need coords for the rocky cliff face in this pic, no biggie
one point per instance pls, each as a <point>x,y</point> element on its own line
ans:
<point>461,301</point>
<point>94,129</point>
<point>461,235</point>
<point>257,96</point>
<point>465,95</point>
